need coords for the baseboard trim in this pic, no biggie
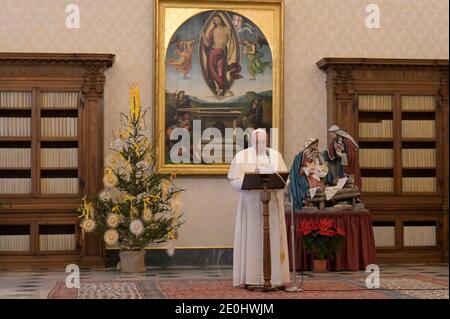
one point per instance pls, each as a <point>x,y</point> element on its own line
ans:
<point>179,247</point>
<point>182,257</point>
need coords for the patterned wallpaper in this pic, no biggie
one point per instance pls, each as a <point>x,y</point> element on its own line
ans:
<point>314,29</point>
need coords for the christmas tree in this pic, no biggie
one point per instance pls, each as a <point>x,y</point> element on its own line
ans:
<point>138,206</point>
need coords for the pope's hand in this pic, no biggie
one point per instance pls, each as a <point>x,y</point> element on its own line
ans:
<point>237,183</point>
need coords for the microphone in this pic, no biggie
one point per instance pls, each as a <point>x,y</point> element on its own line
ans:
<point>270,169</point>
<point>265,168</point>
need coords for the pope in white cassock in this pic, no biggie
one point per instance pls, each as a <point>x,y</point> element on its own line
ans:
<point>248,238</point>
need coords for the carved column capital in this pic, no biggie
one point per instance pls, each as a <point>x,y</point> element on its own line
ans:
<point>94,80</point>
<point>344,88</point>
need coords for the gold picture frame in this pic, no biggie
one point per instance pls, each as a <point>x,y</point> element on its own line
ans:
<point>189,71</point>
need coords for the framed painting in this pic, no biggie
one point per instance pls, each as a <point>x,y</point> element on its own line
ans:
<point>218,76</point>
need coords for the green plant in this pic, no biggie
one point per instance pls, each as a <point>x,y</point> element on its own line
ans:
<point>324,238</point>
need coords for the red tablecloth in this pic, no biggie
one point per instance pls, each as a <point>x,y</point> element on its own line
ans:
<point>358,249</point>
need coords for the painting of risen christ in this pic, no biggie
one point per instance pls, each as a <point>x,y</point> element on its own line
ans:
<point>220,54</point>
<point>219,75</point>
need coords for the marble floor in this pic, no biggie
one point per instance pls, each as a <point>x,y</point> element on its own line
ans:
<point>37,284</point>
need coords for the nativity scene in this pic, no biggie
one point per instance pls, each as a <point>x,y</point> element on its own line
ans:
<point>327,178</point>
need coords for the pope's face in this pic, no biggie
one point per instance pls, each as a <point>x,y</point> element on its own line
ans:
<point>333,136</point>
<point>261,141</point>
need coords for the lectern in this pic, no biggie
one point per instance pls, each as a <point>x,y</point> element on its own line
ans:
<point>265,183</point>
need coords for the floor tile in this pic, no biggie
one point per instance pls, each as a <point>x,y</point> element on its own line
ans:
<point>37,284</point>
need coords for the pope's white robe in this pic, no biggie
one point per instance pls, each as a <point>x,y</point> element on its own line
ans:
<point>248,237</point>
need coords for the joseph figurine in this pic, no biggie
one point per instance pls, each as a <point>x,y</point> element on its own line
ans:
<point>342,153</point>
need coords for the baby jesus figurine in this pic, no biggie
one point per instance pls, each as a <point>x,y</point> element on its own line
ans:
<point>316,174</point>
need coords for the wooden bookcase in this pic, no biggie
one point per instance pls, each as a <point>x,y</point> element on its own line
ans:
<point>397,110</point>
<point>51,155</point>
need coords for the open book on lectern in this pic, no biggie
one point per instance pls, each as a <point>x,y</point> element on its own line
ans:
<point>254,181</point>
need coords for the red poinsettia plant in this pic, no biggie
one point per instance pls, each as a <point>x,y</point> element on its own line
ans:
<point>323,238</point>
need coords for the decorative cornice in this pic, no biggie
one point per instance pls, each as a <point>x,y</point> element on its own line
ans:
<point>92,65</point>
<point>106,60</point>
<point>354,63</point>
<point>341,69</point>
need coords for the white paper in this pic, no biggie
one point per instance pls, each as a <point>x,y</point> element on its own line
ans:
<point>331,191</point>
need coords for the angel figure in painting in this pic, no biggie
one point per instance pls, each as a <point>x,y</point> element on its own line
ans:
<point>255,65</point>
<point>184,51</point>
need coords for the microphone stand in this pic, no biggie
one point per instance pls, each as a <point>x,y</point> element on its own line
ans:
<point>294,287</point>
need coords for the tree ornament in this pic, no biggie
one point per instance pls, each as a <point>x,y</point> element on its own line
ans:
<point>110,179</point>
<point>136,227</point>
<point>147,214</point>
<point>112,220</point>
<point>171,241</point>
<point>105,195</point>
<point>88,225</point>
<point>111,237</point>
